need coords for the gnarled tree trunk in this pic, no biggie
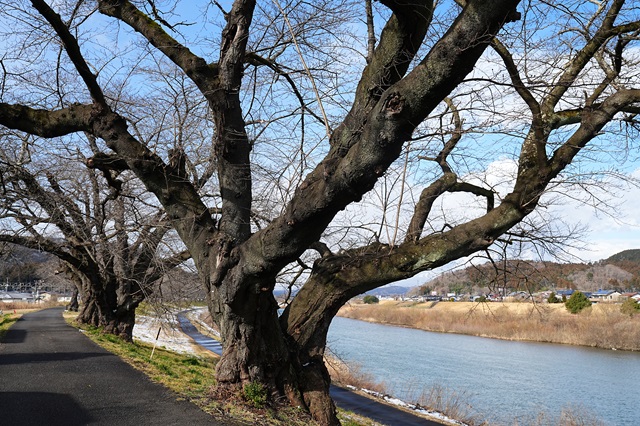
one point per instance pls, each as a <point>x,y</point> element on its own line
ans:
<point>101,309</point>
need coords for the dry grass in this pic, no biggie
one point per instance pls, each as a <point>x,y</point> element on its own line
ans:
<point>27,307</point>
<point>352,375</point>
<point>450,403</point>
<point>602,325</point>
<point>6,321</point>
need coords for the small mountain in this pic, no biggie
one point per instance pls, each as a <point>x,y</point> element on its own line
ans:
<point>393,290</point>
<point>620,272</point>
<point>632,255</point>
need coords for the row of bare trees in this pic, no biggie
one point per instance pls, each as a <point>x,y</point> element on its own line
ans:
<point>318,144</point>
<point>109,243</point>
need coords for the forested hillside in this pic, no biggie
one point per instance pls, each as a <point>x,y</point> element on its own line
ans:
<point>620,272</point>
<point>21,267</point>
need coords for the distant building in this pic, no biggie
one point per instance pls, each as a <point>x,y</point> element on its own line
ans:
<point>14,296</point>
<point>566,293</point>
<point>606,296</point>
<point>53,296</point>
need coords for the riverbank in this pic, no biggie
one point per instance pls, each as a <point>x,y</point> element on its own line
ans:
<point>601,325</point>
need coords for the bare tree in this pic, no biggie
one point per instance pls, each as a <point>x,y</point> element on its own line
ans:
<point>109,244</point>
<point>423,54</point>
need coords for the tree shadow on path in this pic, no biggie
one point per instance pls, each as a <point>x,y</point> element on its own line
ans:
<point>41,408</point>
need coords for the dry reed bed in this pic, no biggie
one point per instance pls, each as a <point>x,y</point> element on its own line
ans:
<point>440,399</point>
<point>27,307</point>
<point>602,325</point>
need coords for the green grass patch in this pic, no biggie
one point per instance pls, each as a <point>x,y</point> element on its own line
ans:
<point>6,321</point>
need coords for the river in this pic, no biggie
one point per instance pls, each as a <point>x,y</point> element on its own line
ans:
<point>504,381</point>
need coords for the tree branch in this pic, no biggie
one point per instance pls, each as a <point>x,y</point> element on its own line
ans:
<point>73,50</point>
<point>582,58</point>
<point>45,123</point>
<point>592,121</point>
<point>256,60</point>
<point>201,73</point>
<point>342,179</point>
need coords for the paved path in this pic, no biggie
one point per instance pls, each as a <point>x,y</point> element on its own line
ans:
<point>51,374</point>
<point>343,398</point>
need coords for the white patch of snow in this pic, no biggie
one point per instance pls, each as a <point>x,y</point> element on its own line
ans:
<point>413,407</point>
<point>170,337</point>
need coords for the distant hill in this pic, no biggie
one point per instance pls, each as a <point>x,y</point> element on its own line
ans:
<point>626,255</point>
<point>20,267</point>
<point>12,254</point>
<point>620,271</point>
<point>393,290</point>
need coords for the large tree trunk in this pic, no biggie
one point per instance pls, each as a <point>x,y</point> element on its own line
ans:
<point>314,385</point>
<point>101,309</point>
<point>256,349</point>
<point>257,352</point>
<point>119,323</point>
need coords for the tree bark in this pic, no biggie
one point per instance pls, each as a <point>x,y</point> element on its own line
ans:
<point>73,303</point>
<point>101,309</point>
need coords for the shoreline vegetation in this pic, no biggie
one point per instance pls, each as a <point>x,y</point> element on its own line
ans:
<point>601,326</point>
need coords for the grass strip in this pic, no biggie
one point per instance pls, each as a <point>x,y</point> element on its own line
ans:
<point>6,321</point>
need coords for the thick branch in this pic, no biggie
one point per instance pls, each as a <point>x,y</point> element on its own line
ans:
<point>232,143</point>
<point>107,162</point>
<point>475,190</point>
<point>48,124</point>
<point>308,317</point>
<point>423,208</point>
<point>340,180</point>
<point>40,244</point>
<point>400,40</point>
<point>593,120</point>
<point>188,214</point>
<point>574,116</point>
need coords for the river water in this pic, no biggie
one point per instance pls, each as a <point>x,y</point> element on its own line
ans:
<point>504,381</point>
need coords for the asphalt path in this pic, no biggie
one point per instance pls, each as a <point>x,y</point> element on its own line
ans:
<point>51,374</point>
<point>344,398</point>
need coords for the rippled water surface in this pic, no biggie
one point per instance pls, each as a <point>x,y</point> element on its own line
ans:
<point>503,380</point>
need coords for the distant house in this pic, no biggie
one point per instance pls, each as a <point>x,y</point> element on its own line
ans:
<point>495,297</point>
<point>566,293</point>
<point>606,296</point>
<point>14,296</point>
<point>59,297</point>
